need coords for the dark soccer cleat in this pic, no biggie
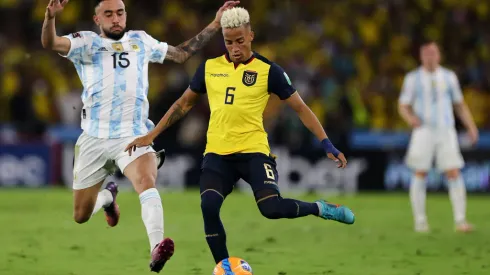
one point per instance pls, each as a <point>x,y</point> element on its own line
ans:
<point>161,254</point>
<point>160,158</point>
<point>112,210</point>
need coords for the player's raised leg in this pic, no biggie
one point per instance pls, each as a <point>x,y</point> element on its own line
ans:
<point>273,206</point>
<point>88,176</point>
<point>141,169</point>
<point>260,172</point>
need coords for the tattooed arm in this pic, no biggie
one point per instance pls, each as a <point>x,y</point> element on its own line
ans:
<point>178,110</point>
<point>186,50</point>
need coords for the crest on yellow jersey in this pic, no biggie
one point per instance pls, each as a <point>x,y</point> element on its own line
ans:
<point>249,78</point>
<point>118,47</point>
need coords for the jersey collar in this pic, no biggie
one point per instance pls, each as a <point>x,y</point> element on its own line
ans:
<point>115,41</point>
<point>227,56</point>
<point>427,72</point>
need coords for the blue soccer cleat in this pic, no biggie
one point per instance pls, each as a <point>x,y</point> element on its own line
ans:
<point>340,213</point>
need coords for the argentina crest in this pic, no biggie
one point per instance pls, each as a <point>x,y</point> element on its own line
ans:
<point>249,78</point>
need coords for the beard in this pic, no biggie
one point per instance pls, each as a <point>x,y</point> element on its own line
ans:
<point>114,35</point>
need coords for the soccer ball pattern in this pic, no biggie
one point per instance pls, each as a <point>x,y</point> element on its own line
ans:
<point>233,266</point>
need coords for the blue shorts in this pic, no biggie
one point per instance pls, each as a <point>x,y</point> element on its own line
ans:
<point>256,169</point>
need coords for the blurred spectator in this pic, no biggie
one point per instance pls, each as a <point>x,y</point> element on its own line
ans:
<point>348,71</point>
<point>22,112</point>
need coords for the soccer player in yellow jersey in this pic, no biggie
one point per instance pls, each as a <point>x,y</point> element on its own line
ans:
<point>238,85</point>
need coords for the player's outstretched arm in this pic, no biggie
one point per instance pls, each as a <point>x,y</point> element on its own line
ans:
<point>49,39</point>
<point>177,111</point>
<point>186,50</point>
<point>311,122</point>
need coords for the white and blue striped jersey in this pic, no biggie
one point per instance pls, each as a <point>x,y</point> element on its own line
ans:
<point>114,75</point>
<point>432,95</point>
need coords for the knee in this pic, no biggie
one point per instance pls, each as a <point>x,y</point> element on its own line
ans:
<point>81,216</point>
<point>148,180</point>
<point>421,174</point>
<point>269,208</point>
<point>452,174</point>
<point>211,202</point>
<point>145,182</point>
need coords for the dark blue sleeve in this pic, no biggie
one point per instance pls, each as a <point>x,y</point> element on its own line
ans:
<point>279,82</point>
<point>198,83</point>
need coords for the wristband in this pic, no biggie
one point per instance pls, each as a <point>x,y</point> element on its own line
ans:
<point>329,148</point>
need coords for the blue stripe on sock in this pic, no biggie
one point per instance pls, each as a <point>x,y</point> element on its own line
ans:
<point>150,195</point>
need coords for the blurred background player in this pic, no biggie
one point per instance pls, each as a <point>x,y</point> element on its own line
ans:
<point>238,85</point>
<point>113,68</point>
<point>426,104</point>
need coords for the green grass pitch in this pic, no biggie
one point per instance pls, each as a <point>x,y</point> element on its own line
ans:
<point>38,236</point>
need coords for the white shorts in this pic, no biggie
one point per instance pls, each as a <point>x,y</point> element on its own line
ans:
<point>97,158</point>
<point>428,143</point>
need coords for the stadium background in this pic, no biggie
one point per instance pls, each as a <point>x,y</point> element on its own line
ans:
<point>347,58</point>
<point>348,71</point>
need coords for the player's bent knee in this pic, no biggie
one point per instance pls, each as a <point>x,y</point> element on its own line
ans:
<point>84,202</point>
<point>82,213</point>
<point>270,207</point>
<point>81,216</point>
<point>270,213</point>
<point>211,201</point>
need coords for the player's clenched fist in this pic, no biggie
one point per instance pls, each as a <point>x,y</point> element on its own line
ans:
<point>143,141</point>
<point>54,7</point>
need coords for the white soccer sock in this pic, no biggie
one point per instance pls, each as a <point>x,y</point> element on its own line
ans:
<point>417,198</point>
<point>152,215</point>
<point>457,194</point>
<point>104,198</point>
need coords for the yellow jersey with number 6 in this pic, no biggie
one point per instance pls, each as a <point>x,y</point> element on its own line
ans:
<point>238,95</point>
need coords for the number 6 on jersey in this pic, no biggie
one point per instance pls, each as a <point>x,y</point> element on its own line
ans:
<point>269,172</point>
<point>230,97</point>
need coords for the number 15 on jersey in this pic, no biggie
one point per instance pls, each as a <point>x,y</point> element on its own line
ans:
<point>120,59</point>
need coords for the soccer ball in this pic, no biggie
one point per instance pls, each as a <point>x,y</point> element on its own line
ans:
<point>234,266</point>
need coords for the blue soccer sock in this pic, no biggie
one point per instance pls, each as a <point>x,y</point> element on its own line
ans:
<point>211,202</point>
